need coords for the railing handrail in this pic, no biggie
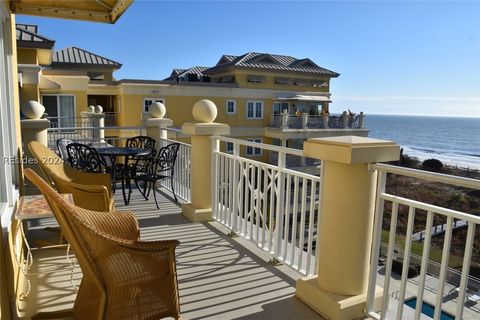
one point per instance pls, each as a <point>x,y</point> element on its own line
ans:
<point>430,176</point>
<point>176,141</point>
<point>264,146</point>
<point>94,128</point>
<point>430,207</point>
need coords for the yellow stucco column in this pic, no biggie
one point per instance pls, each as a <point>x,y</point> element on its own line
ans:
<point>33,130</point>
<point>156,129</point>
<point>339,289</point>
<point>205,112</point>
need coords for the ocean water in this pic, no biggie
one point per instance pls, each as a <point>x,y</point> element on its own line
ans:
<point>454,141</point>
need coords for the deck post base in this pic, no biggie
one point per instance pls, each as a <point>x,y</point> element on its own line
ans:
<point>333,306</point>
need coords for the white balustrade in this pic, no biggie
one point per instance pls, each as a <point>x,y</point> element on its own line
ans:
<point>441,271</point>
<point>274,207</point>
<point>181,175</point>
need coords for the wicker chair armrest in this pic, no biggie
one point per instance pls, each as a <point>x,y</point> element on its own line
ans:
<point>151,246</point>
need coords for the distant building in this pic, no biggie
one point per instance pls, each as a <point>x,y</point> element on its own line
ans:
<point>251,91</point>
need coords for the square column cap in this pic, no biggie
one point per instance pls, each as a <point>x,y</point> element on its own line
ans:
<point>206,129</point>
<point>158,122</point>
<point>352,149</point>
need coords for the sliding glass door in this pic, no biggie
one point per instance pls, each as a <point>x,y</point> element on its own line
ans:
<point>60,109</point>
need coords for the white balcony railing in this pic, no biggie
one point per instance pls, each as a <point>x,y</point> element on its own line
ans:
<point>93,135</point>
<point>274,207</point>
<point>181,175</point>
<point>464,283</point>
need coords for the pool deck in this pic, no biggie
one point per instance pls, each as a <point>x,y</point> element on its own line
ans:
<point>449,305</point>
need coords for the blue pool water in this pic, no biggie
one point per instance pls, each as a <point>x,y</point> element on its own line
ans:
<point>428,309</point>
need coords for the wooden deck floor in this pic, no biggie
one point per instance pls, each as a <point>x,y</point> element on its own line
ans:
<point>219,277</point>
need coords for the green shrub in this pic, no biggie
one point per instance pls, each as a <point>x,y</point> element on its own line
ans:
<point>434,165</point>
<point>413,269</point>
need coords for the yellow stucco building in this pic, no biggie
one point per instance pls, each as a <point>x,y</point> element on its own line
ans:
<point>251,91</point>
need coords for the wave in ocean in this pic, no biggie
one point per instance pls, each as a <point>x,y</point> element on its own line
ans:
<point>454,141</point>
<point>471,161</point>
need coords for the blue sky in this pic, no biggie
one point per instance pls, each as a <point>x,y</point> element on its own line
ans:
<point>394,57</point>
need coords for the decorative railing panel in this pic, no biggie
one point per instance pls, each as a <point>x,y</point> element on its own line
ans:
<point>430,212</point>
<point>274,207</point>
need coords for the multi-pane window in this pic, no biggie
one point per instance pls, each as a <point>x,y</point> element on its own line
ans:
<point>231,106</point>
<point>229,147</point>
<point>147,102</point>
<point>254,109</point>
<point>251,151</point>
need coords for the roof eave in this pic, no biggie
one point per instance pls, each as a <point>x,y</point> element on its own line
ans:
<point>85,65</point>
<point>219,69</point>
<point>35,44</point>
<point>68,10</point>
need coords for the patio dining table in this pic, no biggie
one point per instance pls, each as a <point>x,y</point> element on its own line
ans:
<point>113,153</point>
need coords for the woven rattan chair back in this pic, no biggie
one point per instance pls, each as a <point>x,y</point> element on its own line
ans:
<point>123,277</point>
<point>90,190</point>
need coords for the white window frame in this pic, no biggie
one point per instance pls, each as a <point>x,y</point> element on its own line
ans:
<point>234,102</point>
<point>252,151</point>
<point>255,105</point>
<point>162,100</point>
<point>8,137</point>
<point>229,147</point>
<point>58,101</point>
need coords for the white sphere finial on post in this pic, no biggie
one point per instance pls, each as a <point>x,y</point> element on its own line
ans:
<point>91,109</point>
<point>157,110</point>
<point>98,109</point>
<point>33,109</point>
<point>204,111</point>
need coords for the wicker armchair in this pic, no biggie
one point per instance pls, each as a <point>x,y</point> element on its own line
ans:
<point>123,277</point>
<point>90,190</point>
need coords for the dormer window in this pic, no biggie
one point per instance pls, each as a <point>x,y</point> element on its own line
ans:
<point>319,83</point>
<point>192,77</point>
<point>255,79</point>
<point>283,81</point>
<point>300,82</point>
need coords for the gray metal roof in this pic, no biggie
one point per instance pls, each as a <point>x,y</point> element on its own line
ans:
<point>198,70</point>
<point>28,37</point>
<point>269,61</point>
<point>79,57</point>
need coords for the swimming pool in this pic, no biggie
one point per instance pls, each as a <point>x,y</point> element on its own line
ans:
<point>428,309</point>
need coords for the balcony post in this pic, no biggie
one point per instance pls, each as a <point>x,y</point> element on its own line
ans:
<point>304,120</point>
<point>33,129</point>
<point>325,117</point>
<point>347,199</point>
<point>284,124</point>
<point>204,113</point>
<point>156,124</point>
<point>99,123</point>
<point>345,117</point>
<point>361,120</point>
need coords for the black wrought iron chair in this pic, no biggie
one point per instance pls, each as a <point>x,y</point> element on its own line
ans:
<point>62,148</point>
<point>158,168</point>
<point>85,158</point>
<point>136,164</point>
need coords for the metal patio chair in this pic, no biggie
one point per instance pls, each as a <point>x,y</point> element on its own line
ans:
<point>159,168</point>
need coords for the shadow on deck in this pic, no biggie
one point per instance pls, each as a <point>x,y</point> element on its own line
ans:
<point>219,277</point>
